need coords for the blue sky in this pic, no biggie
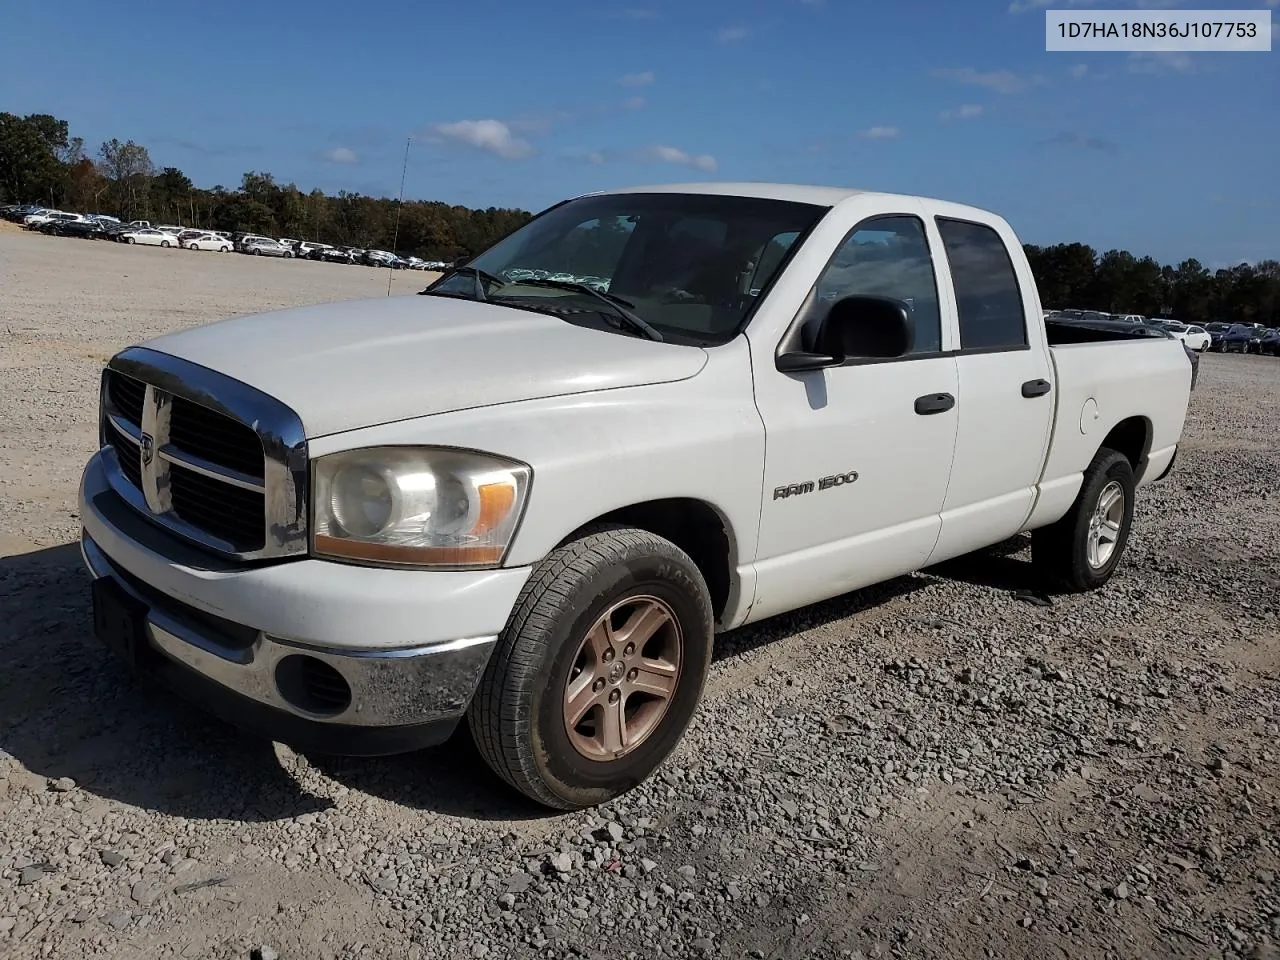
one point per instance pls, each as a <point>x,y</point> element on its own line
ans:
<point>512,104</point>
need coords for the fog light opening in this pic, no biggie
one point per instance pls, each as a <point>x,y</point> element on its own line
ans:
<point>312,686</point>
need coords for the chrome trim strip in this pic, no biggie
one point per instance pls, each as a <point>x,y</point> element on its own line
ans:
<point>190,461</point>
<point>125,428</point>
<point>285,463</point>
<point>388,687</point>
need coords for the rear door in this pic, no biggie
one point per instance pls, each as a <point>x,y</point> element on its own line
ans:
<point>1006,383</point>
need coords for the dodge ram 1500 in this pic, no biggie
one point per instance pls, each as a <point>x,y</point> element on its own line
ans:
<point>531,496</point>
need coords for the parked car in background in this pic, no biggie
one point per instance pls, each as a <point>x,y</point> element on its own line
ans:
<point>1197,338</point>
<point>305,248</point>
<point>86,229</point>
<point>334,255</point>
<point>1240,338</point>
<point>379,258</point>
<point>1270,343</point>
<point>37,220</point>
<point>150,237</point>
<point>264,247</point>
<point>243,240</point>
<point>208,241</point>
<point>1194,337</point>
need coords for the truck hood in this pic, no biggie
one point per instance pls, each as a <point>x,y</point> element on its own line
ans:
<point>359,363</point>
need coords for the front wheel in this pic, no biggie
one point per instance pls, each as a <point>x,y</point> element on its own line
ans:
<point>164,243</point>
<point>598,671</point>
<point>1082,550</point>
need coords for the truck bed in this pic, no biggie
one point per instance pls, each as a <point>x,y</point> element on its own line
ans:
<point>1061,332</point>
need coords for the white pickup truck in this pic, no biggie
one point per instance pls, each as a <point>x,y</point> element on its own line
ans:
<point>531,496</point>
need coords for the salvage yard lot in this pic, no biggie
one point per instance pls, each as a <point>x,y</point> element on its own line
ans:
<point>929,768</point>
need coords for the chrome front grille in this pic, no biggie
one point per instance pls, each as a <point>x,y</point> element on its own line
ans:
<point>205,456</point>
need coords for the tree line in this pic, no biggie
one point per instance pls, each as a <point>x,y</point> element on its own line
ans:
<point>1075,275</point>
<point>40,162</point>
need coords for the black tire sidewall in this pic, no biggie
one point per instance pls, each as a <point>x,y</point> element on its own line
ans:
<point>1108,467</point>
<point>567,773</point>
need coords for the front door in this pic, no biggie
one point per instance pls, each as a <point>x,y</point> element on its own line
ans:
<point>856,470</point>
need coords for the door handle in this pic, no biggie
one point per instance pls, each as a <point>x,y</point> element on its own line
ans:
<point>934,403</point>
<point>1036,388</point>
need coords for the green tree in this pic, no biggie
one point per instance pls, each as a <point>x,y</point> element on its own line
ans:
<point>30,167</point>
<point>128,170</point>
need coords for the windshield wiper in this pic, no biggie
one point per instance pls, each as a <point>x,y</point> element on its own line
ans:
<point>477,290</point>
<point>620,307</point>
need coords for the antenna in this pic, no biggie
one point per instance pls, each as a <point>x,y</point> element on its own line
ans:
<point>395,239</point>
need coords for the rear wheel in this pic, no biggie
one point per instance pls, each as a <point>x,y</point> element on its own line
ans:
<point>598,671</point>
<point>164,243</point>
<point>1082,550</point>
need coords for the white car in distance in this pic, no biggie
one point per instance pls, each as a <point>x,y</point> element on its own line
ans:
<point>1196,338</point>
<point>150,237</point>
<point>208,241</point>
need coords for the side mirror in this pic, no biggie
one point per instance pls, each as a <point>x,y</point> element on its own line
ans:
<point>460,262</point>
<point>856,327</point>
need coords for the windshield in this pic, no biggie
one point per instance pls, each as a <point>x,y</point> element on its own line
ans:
<point>691,265</point>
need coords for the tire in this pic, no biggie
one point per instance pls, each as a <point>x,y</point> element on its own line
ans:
<point>130,240</point>
<point>257,252</point>
<point>518,715</point>
<point>164,243</point>
<point>1062,551</point>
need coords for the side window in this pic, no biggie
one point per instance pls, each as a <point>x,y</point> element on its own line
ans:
<point>769,258</point>
<point>987,295</point>
<point>889,257</point>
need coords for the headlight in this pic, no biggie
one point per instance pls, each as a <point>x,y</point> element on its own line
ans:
<point>416,506</point>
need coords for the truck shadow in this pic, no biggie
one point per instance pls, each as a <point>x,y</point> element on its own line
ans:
<point>69,709</point>
<point>998,567</point>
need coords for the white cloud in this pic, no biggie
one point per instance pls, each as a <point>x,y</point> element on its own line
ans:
<point>596,157</point>
<point>702,161</point>
<point>1001,81</point>
<point>343,155</point>
<point>731,34</point>
<point>1162,62</point>
<point>637,79</point>
<point>880,133</point>
<point>969,111</point>
<point>492,136</point>
<point>635,103</point>
<point>1078,71</point>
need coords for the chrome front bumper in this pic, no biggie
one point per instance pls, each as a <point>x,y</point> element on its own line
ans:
<point>423,690</point>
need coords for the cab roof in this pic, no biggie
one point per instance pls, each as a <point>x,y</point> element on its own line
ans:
<point>826,196</point>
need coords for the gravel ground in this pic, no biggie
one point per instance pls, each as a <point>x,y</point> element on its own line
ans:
<point>932,768</point>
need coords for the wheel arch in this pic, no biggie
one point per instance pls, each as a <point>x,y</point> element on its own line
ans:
<point>1132,438</point>
<point>695,526</point>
